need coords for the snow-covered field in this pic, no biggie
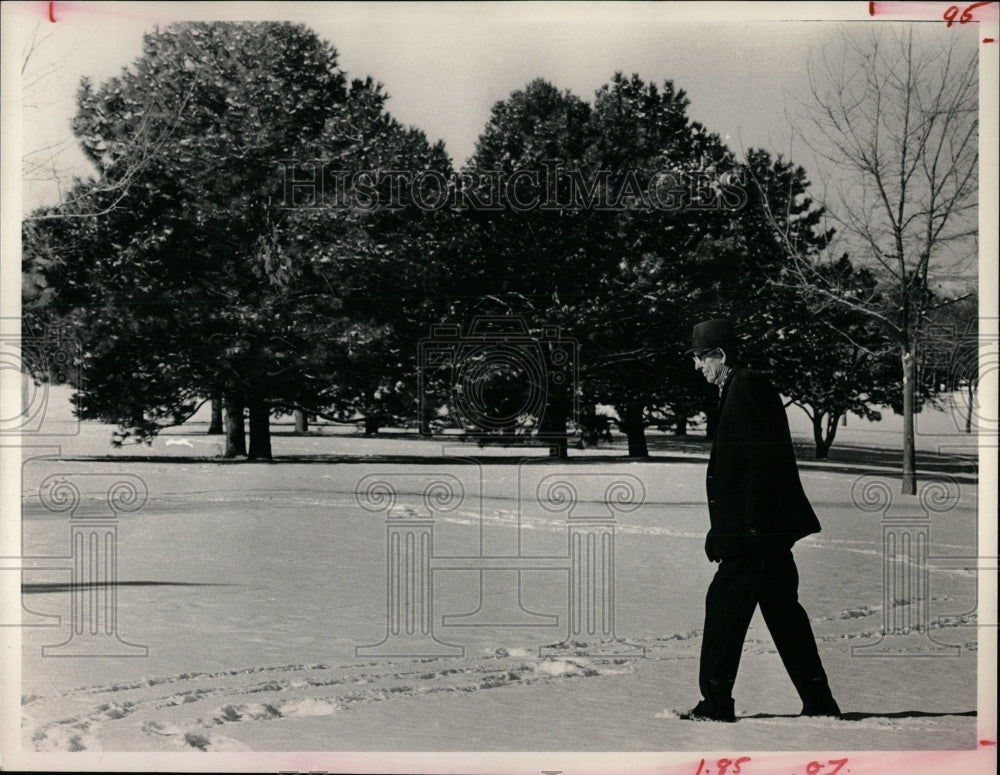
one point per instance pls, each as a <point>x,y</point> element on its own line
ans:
<point>255,588</point>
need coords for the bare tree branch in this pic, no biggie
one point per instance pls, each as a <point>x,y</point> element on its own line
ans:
<point>898,119</point>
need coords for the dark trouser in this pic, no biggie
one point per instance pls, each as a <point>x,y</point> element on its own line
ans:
<point>770,580</point>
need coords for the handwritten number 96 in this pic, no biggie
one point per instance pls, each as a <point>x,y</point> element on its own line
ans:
<point>966,16</point>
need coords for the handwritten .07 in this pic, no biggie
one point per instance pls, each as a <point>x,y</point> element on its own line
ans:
<point>816,768</point>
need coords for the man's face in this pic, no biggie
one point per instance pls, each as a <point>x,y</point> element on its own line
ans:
<point>710,365</point>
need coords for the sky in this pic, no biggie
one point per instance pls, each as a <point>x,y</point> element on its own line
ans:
<point>744,66</point>
<point>445,65</point>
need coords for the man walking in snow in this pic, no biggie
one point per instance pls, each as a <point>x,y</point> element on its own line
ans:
<point>758,510</point>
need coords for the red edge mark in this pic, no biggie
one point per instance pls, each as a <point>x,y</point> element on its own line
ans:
<point>52,12</point>
<point>989,40</point>
<point>871,8</point>
<point>987,743</point>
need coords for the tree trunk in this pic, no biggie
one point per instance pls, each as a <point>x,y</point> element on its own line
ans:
<point>260,429</point>
<point>824,440</point>
<point>970,393</point>
<point>553,427</point>
<point>589,432</point>
<point>681,426</point>
<point>817,423</point>
<point>371,424</point>
<point>215,427</point>
<point>635,429</point>
<point>301,422</point>
<point>909,485</point>
<point>236,440</point>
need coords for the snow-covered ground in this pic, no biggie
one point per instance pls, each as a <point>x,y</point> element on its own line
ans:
<point>255,588</point>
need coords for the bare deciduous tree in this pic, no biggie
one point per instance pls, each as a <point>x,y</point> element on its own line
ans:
<point>897,118</point>
<point>51,163</point>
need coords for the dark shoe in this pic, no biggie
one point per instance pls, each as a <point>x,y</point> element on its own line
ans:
<point>827,708</point>
<point>817,699</point>
<point>710,711</point>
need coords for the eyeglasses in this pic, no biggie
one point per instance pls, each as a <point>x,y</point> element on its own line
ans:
<point>700,359</point>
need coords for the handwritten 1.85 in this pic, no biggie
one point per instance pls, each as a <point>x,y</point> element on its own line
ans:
<point>721,767</point>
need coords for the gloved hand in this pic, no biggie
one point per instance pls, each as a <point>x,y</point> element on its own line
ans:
<point>712,556</point>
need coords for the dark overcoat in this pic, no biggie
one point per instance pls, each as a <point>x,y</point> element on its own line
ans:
<point>755,496</point>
